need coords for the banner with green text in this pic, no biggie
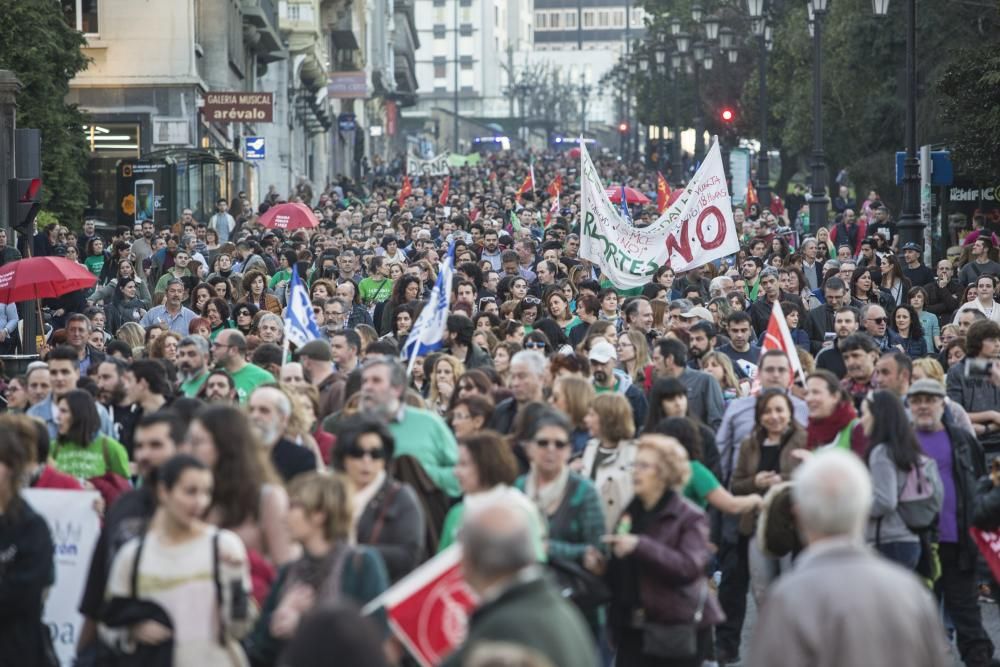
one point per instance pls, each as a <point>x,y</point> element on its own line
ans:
<point>696,229</point>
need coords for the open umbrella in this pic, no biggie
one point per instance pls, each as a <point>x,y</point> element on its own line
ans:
<point>289,216</point>
<point>42,278</point>
<point>632,196</point>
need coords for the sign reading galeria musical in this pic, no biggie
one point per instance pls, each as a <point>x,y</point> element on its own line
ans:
<point>696,229</point>
<point>238,107</point>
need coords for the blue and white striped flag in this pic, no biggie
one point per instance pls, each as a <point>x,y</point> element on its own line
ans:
<point>300,322</point>
<point>429,330</point>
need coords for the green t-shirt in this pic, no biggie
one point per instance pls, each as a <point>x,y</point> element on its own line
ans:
<point>87,462</point>
<point>375,291</point>
<point>702,483</point>
<point>278,277</point>
<point>249,378</point>
<point>427,438</point>
<point>191,388</point>
<point>94,264</point>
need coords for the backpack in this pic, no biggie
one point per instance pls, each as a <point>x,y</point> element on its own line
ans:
<point>921,495</point>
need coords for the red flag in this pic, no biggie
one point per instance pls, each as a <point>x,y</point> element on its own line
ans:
<point>751,194</point>
<point>778,337</point>
<point>555,187</point>
<point>428,609</point>
<point>662,193</point>
<point>444,191</point>
<point>527,186</point>
<point>405,191</point>
<point>989,545</point>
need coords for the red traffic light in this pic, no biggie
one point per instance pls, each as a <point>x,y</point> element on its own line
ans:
<point>623,127</point>
<point>727,115</point>
<point>31,191</point>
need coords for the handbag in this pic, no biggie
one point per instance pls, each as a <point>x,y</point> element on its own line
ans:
<point>679,640</point>
<point>580,586</point>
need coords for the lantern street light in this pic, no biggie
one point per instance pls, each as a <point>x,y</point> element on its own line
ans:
<point>818,202</point>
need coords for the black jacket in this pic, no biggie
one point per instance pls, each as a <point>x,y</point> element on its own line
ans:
<point>26,570</point>
<point>760,310</point>
<point>393,524</point>
<point>819,322</point>
<point>502,420</point>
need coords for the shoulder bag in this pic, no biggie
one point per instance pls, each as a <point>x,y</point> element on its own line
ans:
<point>677,641</point>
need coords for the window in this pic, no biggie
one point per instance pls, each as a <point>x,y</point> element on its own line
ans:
<point>638,16</point>
<point>618,18</point>
<point>439,16</point>
<point>440,70</point>
<point>81,14</point>
<point>603,19</point>
<point>466,65</point>
<point>588,18</point>
<point>570,19</point>
<point>439,31</point>
<point>466,14</point>
<point>554,20</point>
<point>541,20</point>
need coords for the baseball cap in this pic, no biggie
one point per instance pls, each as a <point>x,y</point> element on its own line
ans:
<point>602,352</point>
<point>699,312</point>
<point>315,349</point>
<point>926,386</point>
<point>911,246</point>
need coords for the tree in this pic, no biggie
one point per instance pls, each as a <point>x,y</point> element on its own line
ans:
<point>45,53</point>
<point>970,103</point>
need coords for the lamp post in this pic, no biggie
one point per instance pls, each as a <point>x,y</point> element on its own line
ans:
<point>660,55</point>
<point>818,201</point>
<point>676,167</point>
<point>911,226</point>
<point>756,11</point>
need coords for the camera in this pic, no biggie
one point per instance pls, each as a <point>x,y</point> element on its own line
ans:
<point>978,368</point>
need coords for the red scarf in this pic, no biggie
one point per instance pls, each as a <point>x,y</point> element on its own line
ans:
<point>822,431</point>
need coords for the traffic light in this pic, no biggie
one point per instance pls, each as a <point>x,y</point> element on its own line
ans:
<point>727,115</point>
<point>623,127</point>
<point>25,202</point>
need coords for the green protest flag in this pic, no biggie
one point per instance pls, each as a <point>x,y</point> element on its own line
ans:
<point>456,160</point>
<point>515,222</point>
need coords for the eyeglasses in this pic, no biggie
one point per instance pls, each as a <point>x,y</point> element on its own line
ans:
<point>356,452</point>
<point>878,320</point>
<point>558,444</point>
<point>243,313</point>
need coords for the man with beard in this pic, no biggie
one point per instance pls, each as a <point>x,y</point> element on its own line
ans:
<point>419,434</point>
<point>270,409</point>
<point>158,437</point>
<point>491,249</point>
<point>845,323</point>
<point>192,364</point>
<point>219,388</point>
<point>603,361</point>
<point>860,354</point>
<point>820,319</point>
<point>111,394</point>
<point>229,351</point>
<point>701,342</point>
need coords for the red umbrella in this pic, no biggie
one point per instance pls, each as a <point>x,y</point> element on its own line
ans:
<point>632,196</point>
<point>289,216</point>
<point>42,278</point>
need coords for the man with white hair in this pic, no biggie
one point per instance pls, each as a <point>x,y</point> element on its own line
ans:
<point>519,605</point>
<point>527,378</point>
<point>720,286</point>
<point>842,604</point>
<point>270,409</point>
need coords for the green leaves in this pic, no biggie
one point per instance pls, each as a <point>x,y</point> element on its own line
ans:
<point>45,53</point>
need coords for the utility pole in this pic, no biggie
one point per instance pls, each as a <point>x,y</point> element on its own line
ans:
<point>510,77</point>
<point>458,64</point>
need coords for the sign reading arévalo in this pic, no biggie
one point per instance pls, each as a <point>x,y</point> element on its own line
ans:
<point>254,148</point>
<point>238,107</point>
<point>695,229</point>
<point>74,526</point>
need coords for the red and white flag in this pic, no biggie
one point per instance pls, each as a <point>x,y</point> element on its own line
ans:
<point>778,337</point>
<point>443,200</point>
<point>428,610</point>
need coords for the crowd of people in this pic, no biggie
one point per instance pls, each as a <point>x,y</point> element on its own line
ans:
<point>622,468</point>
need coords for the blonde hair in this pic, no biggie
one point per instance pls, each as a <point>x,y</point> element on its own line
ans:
<point>132,334</point>
<point>328,493</point>
<point>642,358</point>
<point>578,394</point>
<point>674,467</point>
<point>615,413</point>
<point>729,380</point>
<point>931,367</point>
<point>457,369</point>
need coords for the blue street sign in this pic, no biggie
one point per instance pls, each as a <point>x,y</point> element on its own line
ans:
<point>942,173</point>
<point>253,148</point>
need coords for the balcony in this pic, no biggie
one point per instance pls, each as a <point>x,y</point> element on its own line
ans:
<point>260,19</point>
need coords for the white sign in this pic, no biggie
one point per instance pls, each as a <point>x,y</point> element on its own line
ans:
<point>436,166</point>
<point>75,527</point>
<point>696,229</point>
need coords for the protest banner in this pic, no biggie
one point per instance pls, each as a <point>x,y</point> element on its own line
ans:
<point>988,542</point>
<point>428,610</point>
<point>75,526</point>
<point>696,228</point>
<point>436,166</point>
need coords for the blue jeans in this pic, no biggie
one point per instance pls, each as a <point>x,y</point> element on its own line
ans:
<point>906,554</point>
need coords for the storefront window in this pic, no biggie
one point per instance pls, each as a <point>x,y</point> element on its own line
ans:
<point>108,143</point>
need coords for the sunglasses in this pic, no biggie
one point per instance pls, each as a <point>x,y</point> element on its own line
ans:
<point>558,444</point>
<point>360,452</point>
<point>532,301</point>
<point>878,320</point>
<point>534,345</point>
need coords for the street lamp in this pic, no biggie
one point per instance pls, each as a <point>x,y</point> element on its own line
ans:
<point>733,55</point>
<point>818,202</point>
<point>708,61</point>
<point>711,24</point>
<point>683,42</point>
<point>911,226</point>
<point>761,31</point>
<point>726,38</point>
<point>675,27</point>
<point>643,64</point>
<point>696,12</point>
<point>676,166</point>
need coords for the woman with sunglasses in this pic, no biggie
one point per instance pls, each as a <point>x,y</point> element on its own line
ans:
<point>527,311</point>
<point>569,502</point>
<point>386,514</point>
<point>243,317</point>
